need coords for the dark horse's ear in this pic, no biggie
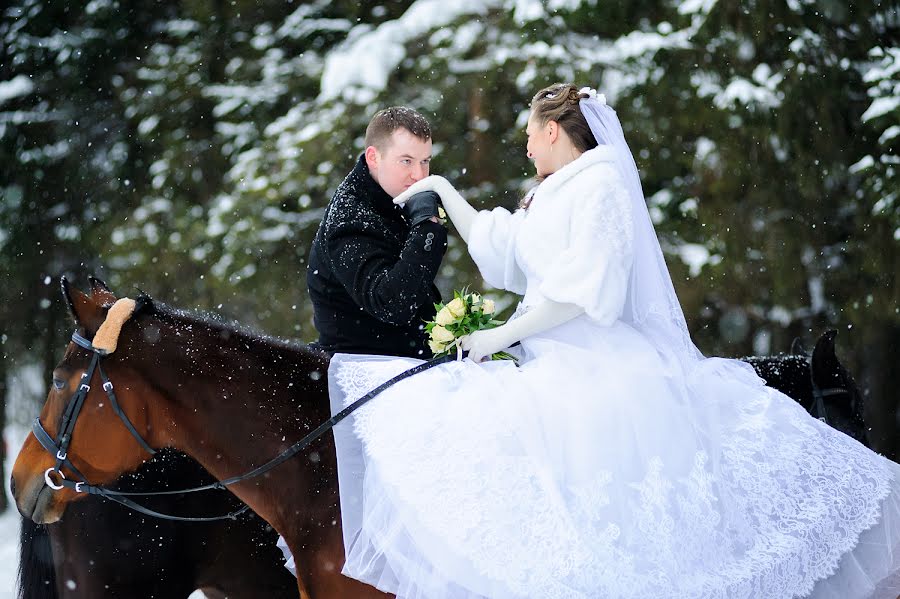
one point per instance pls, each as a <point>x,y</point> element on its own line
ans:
<point>101,293</point>
<point>824,360</point>
<point>797,348</point>
<point>87,313</point>
<point>143,303</point>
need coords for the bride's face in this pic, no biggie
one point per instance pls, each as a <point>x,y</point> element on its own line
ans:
<point>540,145</point>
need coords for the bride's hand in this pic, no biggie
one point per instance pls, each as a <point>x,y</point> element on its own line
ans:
<point>429,183</point>
<point>481,344</point>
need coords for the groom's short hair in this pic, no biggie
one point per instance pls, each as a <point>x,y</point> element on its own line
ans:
<point>388,120</point>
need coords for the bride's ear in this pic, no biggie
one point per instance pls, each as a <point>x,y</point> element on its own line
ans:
<point>552,131</point>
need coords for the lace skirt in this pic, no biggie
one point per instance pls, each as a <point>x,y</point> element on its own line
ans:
<point>602,473</point>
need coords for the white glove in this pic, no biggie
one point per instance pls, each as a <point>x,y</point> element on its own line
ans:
<point>457,208</point>
<point>540,318</point>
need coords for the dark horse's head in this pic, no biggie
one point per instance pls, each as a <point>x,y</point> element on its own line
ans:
<point>819,382</point>
<point>841,398</point>
<point>178,378</point>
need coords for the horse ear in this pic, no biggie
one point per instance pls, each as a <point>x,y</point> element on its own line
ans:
<point>797,348</point>
<point>143,303</point>
<point>101,293</point>
<point>824,360</point>
<point>86,312</point>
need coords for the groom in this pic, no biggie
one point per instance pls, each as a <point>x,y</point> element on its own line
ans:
<point>372,265</point>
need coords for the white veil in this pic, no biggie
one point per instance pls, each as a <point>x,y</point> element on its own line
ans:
<point>651,305</point>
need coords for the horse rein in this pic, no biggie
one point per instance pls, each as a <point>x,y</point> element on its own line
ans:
<point>60,446</point>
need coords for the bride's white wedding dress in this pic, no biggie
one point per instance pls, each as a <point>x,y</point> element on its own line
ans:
<point>599,467</point>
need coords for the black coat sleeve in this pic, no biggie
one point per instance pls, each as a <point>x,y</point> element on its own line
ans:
<point>389,289</point>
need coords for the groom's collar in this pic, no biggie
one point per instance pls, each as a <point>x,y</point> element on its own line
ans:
<point>371,190</point>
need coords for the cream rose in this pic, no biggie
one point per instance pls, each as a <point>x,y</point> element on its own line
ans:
<point>487,306</point>
<point>441,335</point>
<point>445,317</point>
<point>437,348</point>
<point>457,307</point>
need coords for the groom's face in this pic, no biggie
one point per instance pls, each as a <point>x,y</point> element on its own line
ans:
<point>402,161</point>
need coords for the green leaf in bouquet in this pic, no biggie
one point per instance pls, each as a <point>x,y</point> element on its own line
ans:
<point>502,355</point>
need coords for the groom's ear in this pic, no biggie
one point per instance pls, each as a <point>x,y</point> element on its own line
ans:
<point>372,157</point>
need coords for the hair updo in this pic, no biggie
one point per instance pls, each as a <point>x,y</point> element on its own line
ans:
<point>559,103</point>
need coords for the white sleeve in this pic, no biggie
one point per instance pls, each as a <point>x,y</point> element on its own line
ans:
<point>492,246</point>
<point>594,268</point>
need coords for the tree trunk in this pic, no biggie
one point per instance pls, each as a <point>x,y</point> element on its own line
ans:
<point>4,503</point>
<point>878,380</point>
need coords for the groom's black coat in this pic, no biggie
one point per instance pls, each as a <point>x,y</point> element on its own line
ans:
<point>371,275</point>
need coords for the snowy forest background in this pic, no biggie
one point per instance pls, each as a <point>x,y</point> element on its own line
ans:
<point>187,148</point>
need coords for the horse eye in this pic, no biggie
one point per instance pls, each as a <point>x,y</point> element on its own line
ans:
<point>58,383</point>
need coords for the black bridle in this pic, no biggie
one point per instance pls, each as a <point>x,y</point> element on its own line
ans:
<point>60,446</point>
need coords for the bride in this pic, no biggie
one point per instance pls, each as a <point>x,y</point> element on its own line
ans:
<point>614,460</point>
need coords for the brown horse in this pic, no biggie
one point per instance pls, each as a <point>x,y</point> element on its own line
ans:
<point>229,398</point>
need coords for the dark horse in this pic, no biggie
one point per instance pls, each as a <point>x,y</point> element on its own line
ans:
<point>206,389</point>
<point>101,549</point>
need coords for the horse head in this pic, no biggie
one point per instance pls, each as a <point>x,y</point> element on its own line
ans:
<point>100,447</point>
<point>841,397</point>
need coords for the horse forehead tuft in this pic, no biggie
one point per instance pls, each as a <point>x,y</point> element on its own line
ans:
<point>107,336</point>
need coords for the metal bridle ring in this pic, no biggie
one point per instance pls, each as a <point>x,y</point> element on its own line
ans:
<point>49,480</point>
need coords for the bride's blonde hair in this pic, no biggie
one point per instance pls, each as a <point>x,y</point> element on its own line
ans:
<point>559,103</point>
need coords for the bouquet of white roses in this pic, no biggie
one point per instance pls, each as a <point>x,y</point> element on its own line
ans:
<point>465,314</point>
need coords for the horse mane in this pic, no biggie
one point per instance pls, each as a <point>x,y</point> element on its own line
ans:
<point>216,325</point>
<point>36,577</point>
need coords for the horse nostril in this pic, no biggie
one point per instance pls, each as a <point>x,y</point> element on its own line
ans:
<point>12,486</point>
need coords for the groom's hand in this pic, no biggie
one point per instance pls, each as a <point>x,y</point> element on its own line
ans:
<point>422,206</point>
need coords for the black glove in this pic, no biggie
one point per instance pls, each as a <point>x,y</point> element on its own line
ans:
<point>422,206</point>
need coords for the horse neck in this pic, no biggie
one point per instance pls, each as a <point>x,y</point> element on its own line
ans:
<point>234,401</point>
